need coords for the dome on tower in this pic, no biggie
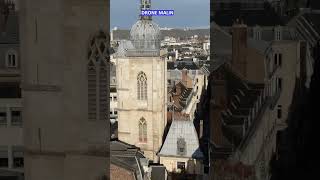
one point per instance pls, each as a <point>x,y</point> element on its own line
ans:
<point>145,34</point>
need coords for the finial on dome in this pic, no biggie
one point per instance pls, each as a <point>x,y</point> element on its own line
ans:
<point>145,5</point>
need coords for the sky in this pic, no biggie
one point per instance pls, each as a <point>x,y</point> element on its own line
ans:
<point>187,13</point>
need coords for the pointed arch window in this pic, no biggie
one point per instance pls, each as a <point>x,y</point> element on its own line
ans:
<point>142,86</point>
<point>142,130</point>
<point>97,77</point>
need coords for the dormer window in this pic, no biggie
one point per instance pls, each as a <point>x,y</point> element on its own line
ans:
<point>257,33</point>
<point>278,34</point>
<point>181,146</point>
<point>12,59</point>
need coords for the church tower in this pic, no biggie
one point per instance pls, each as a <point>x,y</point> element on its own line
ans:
<point>141,73</point>
<point>65,69</point>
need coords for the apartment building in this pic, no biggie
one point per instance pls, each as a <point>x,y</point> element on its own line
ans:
<point>11,122</point>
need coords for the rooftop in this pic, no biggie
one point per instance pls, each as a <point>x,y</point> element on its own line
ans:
<point>181,129</point>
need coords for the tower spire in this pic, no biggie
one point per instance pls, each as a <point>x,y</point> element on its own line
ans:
<point>145,5</point>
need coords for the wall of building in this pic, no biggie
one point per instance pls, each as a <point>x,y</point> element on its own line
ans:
<point>130,109</point>
<point>255,66</point>
<point>192,166</point>
<point>262,143</point>
<point>59,138</point>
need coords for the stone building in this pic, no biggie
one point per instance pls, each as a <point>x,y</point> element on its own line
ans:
<point>65,63</point>
<point>250,95</point>
<point>180,151</point>
<point>141,87</point>
<point>11,122</point>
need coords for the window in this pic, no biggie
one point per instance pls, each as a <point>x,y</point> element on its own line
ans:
<point>11,59</point>
<point>4,157</point>
<point>17,156</point>
<point>279,111</point>
<point>257,33</point>
<point>275,59</point>
<point>181,146</point>
<point>197,80</point>
<point>278,33</point>
<point>115,98</point>
<point>279,83</point>
<point>111,113</point>
<point>115,112</point>
<point>142,130</point>
<point>110,98</point>
<point>3,116</point>
<point>181,165</point>
<point>280,60</point>
<point>16,118</point>
<point>97,77</point>
<point>142,86</point>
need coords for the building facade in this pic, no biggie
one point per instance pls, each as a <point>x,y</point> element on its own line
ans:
<point>65,63</point>
<point>11,122</point>
<point>141,87</point>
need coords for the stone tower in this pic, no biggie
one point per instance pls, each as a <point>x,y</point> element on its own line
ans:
<point>64,51</point>
<point>141,77</point>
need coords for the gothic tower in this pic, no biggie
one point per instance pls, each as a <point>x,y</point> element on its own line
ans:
<point>141,73</point>
<point>64,50</point>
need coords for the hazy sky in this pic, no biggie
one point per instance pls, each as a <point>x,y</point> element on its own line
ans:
<point>187,13</point>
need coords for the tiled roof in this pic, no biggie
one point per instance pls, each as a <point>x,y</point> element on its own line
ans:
<point>259,45</point>
<point>126,156</point>
<point>181,129</point>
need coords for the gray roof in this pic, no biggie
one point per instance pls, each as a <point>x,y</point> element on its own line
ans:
<point>189,65</point>
<point>124,45</point>
<point>11,35</point>
<point>182,129</point>
<point>259,45</point>
<point>127,156</point>
<point>222,40</point>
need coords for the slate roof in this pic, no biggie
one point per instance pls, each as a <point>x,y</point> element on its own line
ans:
<point>260,45</point>
<point>11,35</point>
<point>314,19</point>
<point>180,98</point>
<point>241,99</point>
<point>182,129</point>
<point>126,156</point>
<point>221,40</point>
<point>264,17</point>
<point>124,45</point>
<point>189,65</point>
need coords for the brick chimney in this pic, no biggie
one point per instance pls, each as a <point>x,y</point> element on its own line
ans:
<point>184,77</point>
<point>239,47</point>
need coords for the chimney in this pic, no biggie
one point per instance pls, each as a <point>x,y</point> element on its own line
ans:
<point>184,77</point>
<point>239,47</point>
<point>201,129</point>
